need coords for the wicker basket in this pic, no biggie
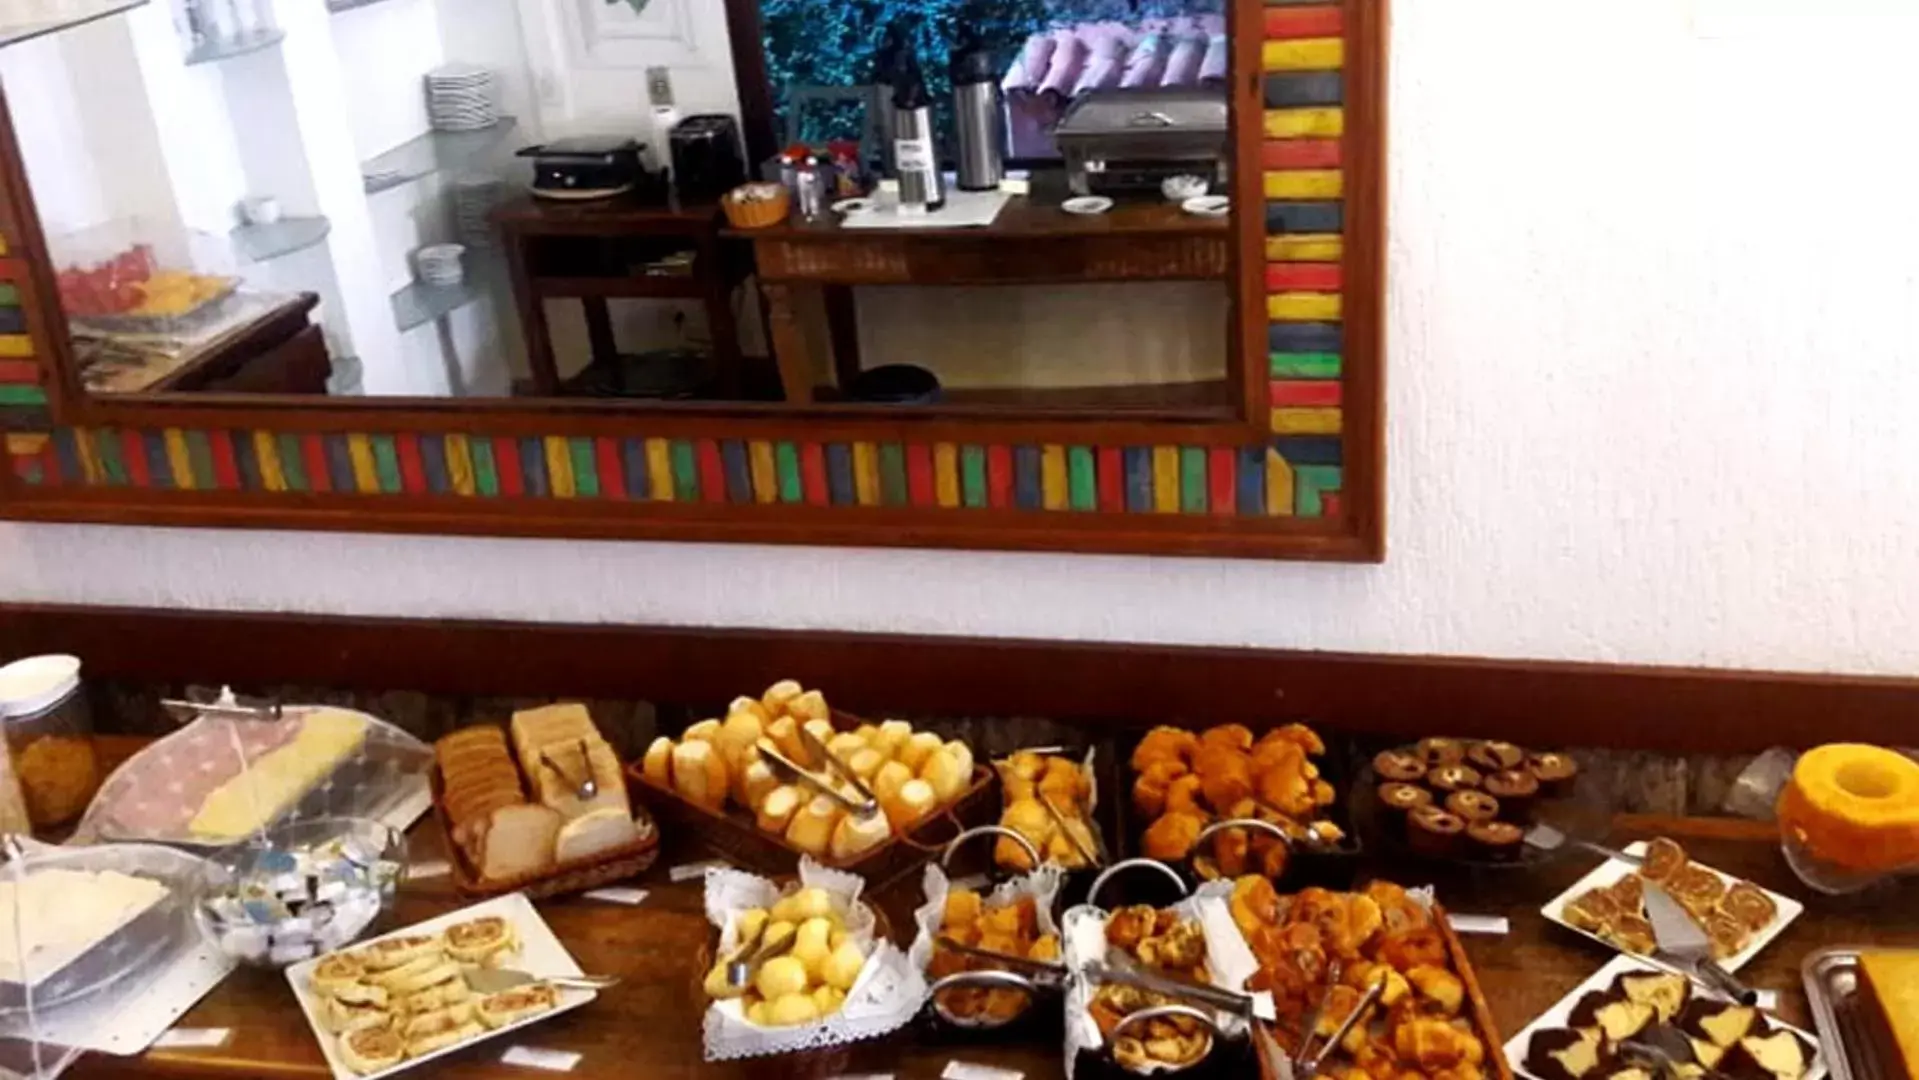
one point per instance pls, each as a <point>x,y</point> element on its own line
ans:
<point>732,833</point>
<point>616,864</point>
<point>756,213</point>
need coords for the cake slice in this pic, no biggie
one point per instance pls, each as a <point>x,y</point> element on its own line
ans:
<point>1892,984</point>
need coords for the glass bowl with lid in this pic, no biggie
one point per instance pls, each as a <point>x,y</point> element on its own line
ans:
<point>300,890</point>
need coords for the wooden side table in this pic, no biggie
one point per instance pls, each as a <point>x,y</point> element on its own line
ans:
<point>586,251</point>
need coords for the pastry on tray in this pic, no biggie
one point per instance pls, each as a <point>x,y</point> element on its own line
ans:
<point>718,763</point>
<point>1475,782</point>
<point>1045,798</point>
<point>1159,940</point>
<point>1602,1034</point>
<point>1731,912</point>
<point>1183,781</point>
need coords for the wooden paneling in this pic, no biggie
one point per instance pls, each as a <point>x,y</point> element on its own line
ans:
<point>1650,708</point>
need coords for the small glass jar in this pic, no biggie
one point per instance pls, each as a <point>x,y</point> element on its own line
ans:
<point>49,739</point>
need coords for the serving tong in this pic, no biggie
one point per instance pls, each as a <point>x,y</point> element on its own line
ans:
<point>750,955</point>
<point>1306,1063</point>
<point>1048,971</point>
<point>586,788</point>
<point>1121,970</point>
<point>865,805</point>
<point>228,706</point>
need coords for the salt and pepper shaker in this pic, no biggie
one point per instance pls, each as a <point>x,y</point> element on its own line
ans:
<point>809,189</point>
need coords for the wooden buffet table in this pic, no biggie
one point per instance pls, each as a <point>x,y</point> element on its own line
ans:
<point>649,1025</point>
<point>1031,242</point>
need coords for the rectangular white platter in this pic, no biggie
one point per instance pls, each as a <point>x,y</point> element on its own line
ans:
<point>1560,1014</point>
<point>540,953</point>
<point>1612,870</point>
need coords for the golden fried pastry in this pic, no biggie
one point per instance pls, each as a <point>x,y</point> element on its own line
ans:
<point>1149,790</point>
<point>1164,744</point>
<point>1398,910</point>
<point>1254,903</point>
<point>1439,988</point>
<point>1409,949</point>
<point>1183,797</point>
<point>1594,912</point>
<point>1662,860</point>
<point>1064,782</point>
<point>1432,1044</point>
<point>1236,736</point>
<point>1298,735</point>
<point>1171,838</point>
<point>1696,888</point>
<point>1128,926</point>
<point>1225,775</point>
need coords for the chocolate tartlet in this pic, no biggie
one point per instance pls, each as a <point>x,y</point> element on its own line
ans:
<point>1556,774</point>
<point>1492,757</point>
<point>1516,791</point>
<point>1433,832</point>
<point>1495,841</point>
<point>1451,778</point>
<point>1400,766</point>
<point>1440,751</point>
<point>1473,806</point>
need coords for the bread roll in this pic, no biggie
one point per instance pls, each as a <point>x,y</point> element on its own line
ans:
<point>947,775</point>
<point>518,840</point>
<point>891,736</point>
<point>866,762</point>
<point>821,730</point>
<point>887,782</point>
<point>657,766</point>
<point>736,769</point>
<point>745,704</point>
<point>845,744</point>
<point>963,754</point>
<point>916,749</point>
<point>704,731</point>
<point>784,734</point>
<point>869,734</point>
<point>776,809</point>
<point>811,829</point>
<point>738,732</point>
<point>699,775</point>
<point>778,695</point>
<point>809,706</point>
<point>914,800</point>
<point>755,781</point>
<point>855,834</point>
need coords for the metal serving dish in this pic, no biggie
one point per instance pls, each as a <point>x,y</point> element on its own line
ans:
<point>1119,141</point>
<point>1848,1030</point>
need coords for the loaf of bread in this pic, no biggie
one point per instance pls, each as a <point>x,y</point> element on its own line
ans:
<point>477,777</point>
<point>516,840</point>
<point>593,833</point>
<point>777,808</point>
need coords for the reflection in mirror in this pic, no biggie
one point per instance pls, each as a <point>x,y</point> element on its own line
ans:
<point>993,204</point>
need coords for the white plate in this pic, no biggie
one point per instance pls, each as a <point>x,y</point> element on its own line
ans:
<point>1087,205</point>
<point>540,953</point>
<point>1559,1015</point>
<point>1208,205</point>
<point>1612,870</point>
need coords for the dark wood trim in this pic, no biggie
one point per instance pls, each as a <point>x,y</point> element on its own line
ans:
<point>1365,272</point>
<point>1635,707</point>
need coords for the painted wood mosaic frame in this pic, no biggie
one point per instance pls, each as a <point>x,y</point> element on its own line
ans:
<point>1305,480</point>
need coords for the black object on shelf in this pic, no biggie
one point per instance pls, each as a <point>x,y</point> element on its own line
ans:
<point>896,384</point>
<point>707,159</point>
<point>591,167</point>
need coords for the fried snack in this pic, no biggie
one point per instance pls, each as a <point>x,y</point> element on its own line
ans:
<point>1225,774</point>
<point>1011,929</point>
<point>1236,736</point>
<point>1254,903</point>
<point>1171,838</point>
<point>1398,911</point>
<point>1438,987</point>
<point>1183,797</point>
<point>1409,949</point>
<point>1149,790</point>
<point>911,804</point>
<point>1164,744</point>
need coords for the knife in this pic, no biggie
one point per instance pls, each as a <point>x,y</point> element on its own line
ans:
<point>1683,943</point>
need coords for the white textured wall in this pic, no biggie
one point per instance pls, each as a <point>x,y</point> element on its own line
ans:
<point>1654,387</point>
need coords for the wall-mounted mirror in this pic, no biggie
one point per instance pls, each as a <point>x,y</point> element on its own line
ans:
<point>1065,274</point>
<point>381,199</point>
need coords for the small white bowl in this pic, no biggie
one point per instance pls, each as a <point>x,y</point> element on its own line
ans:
<point>855,206</point>
<point>1087,205</point>
<point>1180,188</point>
<point>1208,205</point>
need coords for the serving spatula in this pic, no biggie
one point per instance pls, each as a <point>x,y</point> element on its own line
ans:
<point>1684,944</point>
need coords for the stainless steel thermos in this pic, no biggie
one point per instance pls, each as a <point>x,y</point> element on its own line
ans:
<point>915,151</point>
<point>977,120</point>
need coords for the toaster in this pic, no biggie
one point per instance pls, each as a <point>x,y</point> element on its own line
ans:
<point>708,160</point>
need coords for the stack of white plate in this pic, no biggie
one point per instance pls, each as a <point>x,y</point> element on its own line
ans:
<point>473,199</point>
<point>440,264</point>
<point>459,97</point>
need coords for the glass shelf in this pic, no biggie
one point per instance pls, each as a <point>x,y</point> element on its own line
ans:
<point>334,7</point>
<point>436,151</point>
<point>215,51</point>
<point>264,243</point>
<point>420,303</point>
<point>36,18</point>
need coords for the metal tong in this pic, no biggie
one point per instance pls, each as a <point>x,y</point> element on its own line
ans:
<point>1059,822</point>
<point>189,710</point>
<point>866,805</point>
<point>584,789</point>
<point>1249,1006</point>
<point>1305,1064</point>
<point>1049,970</point>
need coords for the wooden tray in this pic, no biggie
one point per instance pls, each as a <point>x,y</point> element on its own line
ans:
<point>1495,1066</point>
<point>579,875</point>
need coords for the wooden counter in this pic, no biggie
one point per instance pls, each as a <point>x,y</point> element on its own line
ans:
<point>649,1025</point>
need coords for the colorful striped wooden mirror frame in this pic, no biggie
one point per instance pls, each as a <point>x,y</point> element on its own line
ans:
<point>1303,478</point>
